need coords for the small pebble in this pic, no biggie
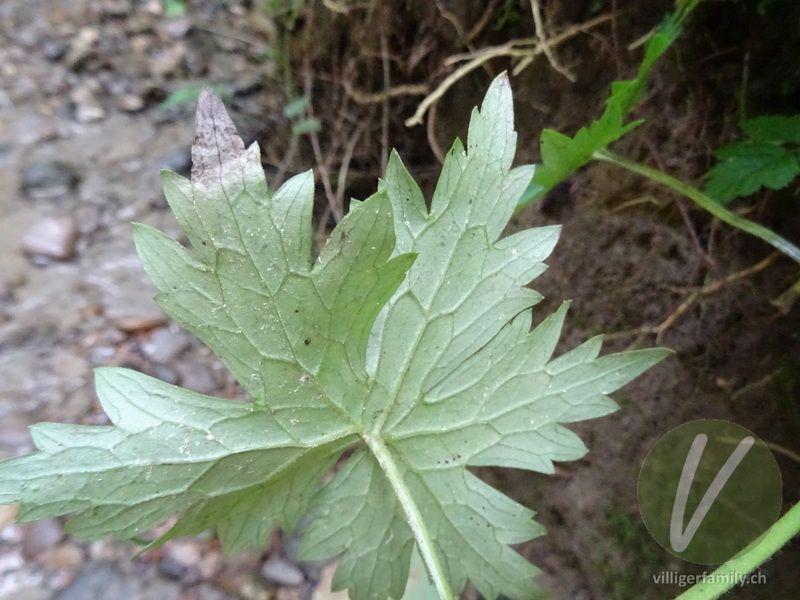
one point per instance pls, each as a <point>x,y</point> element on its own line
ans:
<point>282,572</point>
<point>81,48</point>
<point>167,62</point>
<point>178,160</point>
<point>52,238</point>
<point>164,344</point>
<point>134,324</point>
<point>196,377</point>
<point>171,568</point>
<point>66,556</point>
<point>42,179</point>
<point>8,514</point>
<point>130,102</point>
<point>87,106</point>
<point>40,536</point>
<point>116,8</point>
<point>54,49</point>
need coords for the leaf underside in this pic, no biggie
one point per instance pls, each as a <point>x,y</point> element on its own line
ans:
<point>411,331</point>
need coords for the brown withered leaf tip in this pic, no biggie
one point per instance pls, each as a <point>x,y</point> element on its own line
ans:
<point>216,142</point>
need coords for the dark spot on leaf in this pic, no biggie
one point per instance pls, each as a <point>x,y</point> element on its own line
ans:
<point>307,341</point>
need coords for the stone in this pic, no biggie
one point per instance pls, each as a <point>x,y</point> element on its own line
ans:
<point>130,102</point>
<point>165,343</point>
<point>87,106</point>
<point>81,48</point>
<point>47,179</point>
<point>40,536</point>
<point>281,572</point>
<point>52,238</point>
<point>196,377</point>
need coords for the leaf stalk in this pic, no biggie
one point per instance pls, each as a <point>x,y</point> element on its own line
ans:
<point>413,516</point>
<point>716,209</point>
<point>754,555</point>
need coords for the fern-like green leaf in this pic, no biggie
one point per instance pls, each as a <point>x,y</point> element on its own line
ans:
<point>768,157</point>
<point>407,340</point>
<point>562,155</point>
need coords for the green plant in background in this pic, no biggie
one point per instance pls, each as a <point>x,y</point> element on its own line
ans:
<point>190,92</point>
<point>769,156</point>
<point>562,155</point>
<point>409,339</point>
<point>295,110</point>
<point>174,8</point>
<point>285,14</point>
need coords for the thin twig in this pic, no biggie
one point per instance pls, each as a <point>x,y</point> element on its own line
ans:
<point>510,48</point>
<point>387,84</point>
<point>712,288</point>
<point>544,44</point>
<point>322,167</point>
<point>682,208</point>
<point>341,182</point>
<point>360,97</point>
<point>431,133</point>
<point>483,21</point>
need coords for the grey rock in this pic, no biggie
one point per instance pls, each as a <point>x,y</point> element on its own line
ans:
<point>205,591</point>
<point>14,435</point>
<point>178,160</point>
<point>167,62</point>
<point>165,374</point>
<point>116,8</point>
<point>165,343</point>
<point>82,47</point>
<point>130,102</point>
<point>46,179</point>
<point>87,106</point>
<point>31,127</point>
<point>125,293</point>
<point>54,49</point>
<point>40,536</point>
<point>196,377</point>
<point>171,568</point>
<point>102,580</point>
<point>281,572</point>
<point>52,238</point>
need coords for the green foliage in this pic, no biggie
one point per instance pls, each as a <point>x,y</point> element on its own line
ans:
<point>769,156</point>
<point>294,111</point>
<point>174,8</point>
<point>288,10</point>
<point>190,93</point>
<point>562,155</point>
<point>408,340</point>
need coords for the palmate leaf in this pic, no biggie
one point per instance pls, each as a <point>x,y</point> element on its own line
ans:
<point>408,340</point>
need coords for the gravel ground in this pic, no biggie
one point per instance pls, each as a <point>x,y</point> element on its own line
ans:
<point>81,145</point>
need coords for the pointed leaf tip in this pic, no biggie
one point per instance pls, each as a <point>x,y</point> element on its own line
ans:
<point>216,140</point>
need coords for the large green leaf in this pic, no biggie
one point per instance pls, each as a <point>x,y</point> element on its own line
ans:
<point>408,340</point>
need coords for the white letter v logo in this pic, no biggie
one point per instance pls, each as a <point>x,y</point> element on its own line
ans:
<point>679,539</point>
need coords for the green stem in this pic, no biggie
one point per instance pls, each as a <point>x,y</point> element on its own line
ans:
<point>716,209</point>
<point>759,551</point>
<point>413,516</point>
